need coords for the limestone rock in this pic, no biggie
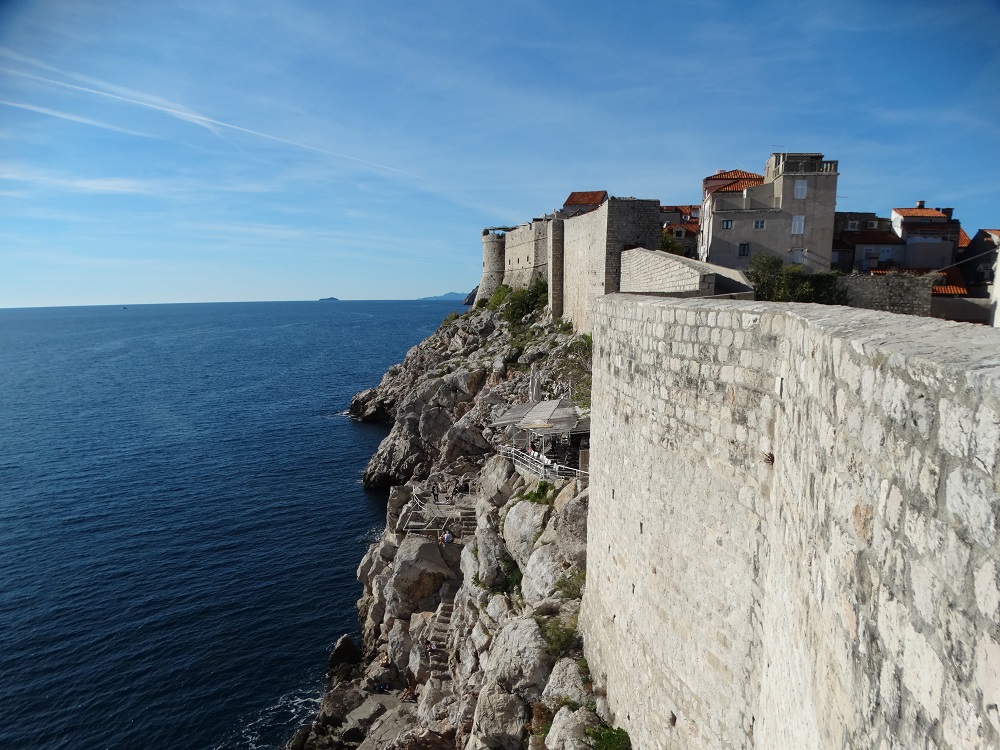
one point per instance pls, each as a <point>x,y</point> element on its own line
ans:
<point>565,684</point>
<point>522,526</point>
<point>545,567</point>
<point>571,531</point>
<point>519,659</point>
<point>491,551</point>
<point>569,730</point>
<point>499,719</point>
<point>417,575</point>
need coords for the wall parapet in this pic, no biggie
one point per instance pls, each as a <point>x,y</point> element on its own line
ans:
<point>803,548</point>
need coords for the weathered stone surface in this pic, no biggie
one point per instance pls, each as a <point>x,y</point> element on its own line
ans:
<point>417,575</point>
<point>545,567</point>
<point>569,730</point>
<point>499,719</point>
<point>491,551</point>
<point>564,684</point>
<point>571,531</point>
<point>521,527</point>
<point>519,659</point>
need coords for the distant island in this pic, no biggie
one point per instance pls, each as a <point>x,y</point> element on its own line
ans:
<point>448,297</point>
<point>329,299</point>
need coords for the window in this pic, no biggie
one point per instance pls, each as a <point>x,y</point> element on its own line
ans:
<point>727,223</point>
<point>873,225</point>
<point>679,234</point>
<point>798,225</point>
<point>759,223</point>
<point>744,249</point>
<point>800,189</point>
<point>852,226</point>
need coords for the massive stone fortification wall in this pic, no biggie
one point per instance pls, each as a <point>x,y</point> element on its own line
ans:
<point>526,254</point>
<point>592,250</point>
<point>585,239</point>
<point>801,550</point>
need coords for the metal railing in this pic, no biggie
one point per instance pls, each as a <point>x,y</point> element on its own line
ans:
<point>541,468</point>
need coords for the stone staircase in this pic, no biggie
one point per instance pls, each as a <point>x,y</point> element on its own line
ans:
<point>438,658</point>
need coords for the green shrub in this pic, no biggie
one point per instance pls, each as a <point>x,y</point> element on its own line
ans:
<point>559,639</point>
<point>501,293</point>
<point>448,319</point>
<point>773,281</point>
<point>540,494</point>
<point>509,581</point>
<point>571,584</point>
<point>518,304</point>
<point>609,738</point>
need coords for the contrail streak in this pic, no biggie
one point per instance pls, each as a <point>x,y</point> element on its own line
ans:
<point>72,118</point>
<point>199,119</point>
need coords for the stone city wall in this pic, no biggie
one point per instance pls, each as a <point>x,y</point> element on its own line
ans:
<point>526,256</point>
<point>891,292</point>
<point>653,271</point>
<point>801,551</point>
<point>585,238</point>
<point>592,251</point>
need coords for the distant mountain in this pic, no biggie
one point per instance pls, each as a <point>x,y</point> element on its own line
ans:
<point>329,299</point>
<point>449,297</point>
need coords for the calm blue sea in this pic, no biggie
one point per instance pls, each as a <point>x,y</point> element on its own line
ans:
<point>181,515</point>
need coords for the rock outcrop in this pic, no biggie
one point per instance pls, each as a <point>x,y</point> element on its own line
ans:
<point>471,643</point>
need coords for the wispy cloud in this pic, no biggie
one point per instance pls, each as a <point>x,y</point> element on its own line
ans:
<point>140,99</point>
<point>73,118</point>
<point>44,178</point>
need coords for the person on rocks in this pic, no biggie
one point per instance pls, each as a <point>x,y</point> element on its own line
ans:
<point>409,694</point>
<point>447,537</point>
<point>434,491</point>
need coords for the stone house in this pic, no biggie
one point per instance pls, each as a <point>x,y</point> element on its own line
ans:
<point>931,235</point>
<point>787,212</point>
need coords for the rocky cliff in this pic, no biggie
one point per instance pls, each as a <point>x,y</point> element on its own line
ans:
<point>468,643</point>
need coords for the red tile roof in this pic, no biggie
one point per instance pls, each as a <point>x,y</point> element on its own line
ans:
<point>740,185</point>
<point>588,198</point>
<point>735,174</point>
<point>690,228</point>
<point>922,213</point>
<point>963,238</point>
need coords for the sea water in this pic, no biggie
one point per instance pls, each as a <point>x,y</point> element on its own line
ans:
<point>181,515</point>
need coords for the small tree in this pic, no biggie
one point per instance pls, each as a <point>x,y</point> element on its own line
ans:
<point>773,281</point>
<point>672,245</point>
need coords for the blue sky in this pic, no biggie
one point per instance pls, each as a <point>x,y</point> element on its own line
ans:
<point>185,151</point>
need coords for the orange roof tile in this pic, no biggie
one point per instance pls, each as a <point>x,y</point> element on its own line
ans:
<point>740,185</point>
<point>953,290</point>
<point>922,213</point>
<point>586,198</point>
<point>735,174</point>
<point>963,238</point>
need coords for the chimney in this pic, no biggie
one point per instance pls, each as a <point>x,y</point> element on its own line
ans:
<point>920,204</point>
<point>719,171</point>
<point>948,211</point>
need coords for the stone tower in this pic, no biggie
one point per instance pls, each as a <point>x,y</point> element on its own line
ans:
<point>493,264</point>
